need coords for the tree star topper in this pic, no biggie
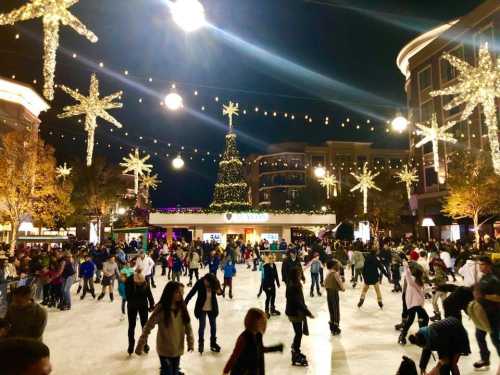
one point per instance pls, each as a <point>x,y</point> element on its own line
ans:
<point>63,171</point>
<point>407,176</point>
<point>434,134</point>
<point>329,182</point>
<point>92,107</point>
<point>53,13</point>
<point>230,110</point>
<point>134,163</point>
<point>477,86</point>
<point>365,182</point>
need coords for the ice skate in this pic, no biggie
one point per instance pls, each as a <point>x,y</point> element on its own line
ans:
<point>436,317</point>
<point>299,359</point>
<point>402,339</point>
<point>275,312</point>
<point>360,303</point>
<point>214,347</point>
<point>481,364</point>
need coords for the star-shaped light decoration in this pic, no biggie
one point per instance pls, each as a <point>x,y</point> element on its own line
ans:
<point>230,110</point>
<point>53,14</point>
<point>477,86</point>
<point>434,133</point>
<point>92,107</point>
<point>134,163</point>
<point>329,182</point>
<point>149,181</point>
<point>365,182</point>
<point>63,171</point>
<point>407,176</point>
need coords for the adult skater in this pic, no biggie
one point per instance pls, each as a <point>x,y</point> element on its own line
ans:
<point>291,261</point>
<point>415,299</point>
<point>110,272</point>
<point>194,266</point>
<point>87,271</point>
<point>248,354</point>
<point>449,338</point>
<point>206,289</point>
<point>138,296</point>
<point>174,325</point>
<point>270,280</point>
<point>371,276</point>
<point>297,313</point>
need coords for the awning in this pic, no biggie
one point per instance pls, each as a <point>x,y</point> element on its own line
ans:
<point>47,239</point>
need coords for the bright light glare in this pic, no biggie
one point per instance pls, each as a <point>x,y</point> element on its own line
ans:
<point>319,172</point>
<point>323,208</point>
<point>178,163</point>
<point>399,124</point>
<point>173,101</point>
<point>189,15</point>
<point>121,211</point>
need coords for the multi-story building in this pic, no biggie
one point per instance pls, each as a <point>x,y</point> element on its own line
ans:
<point>422,63</point>
<point>276,178</point>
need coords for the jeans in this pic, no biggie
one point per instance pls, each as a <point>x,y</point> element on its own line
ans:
<point>132,318</point>
<point>423,318</point>
<point>150,280</point>
<point>358,272</point>
<point>193,271</point>
<point>483,346</point>
<point>88,286</point>
<point>169,365</point>
<point>315,281</point>
<point>270,298</point>
<point>203,322</point>
<point>297,339</point>
<point>66,288</point>
<point>332,298</point>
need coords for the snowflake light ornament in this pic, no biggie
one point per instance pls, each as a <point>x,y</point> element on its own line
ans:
<point>149,181</point>
<point>329,182</point>
<point>407,176</point>
<point>134,163</point>
<point>63,171</point>
<point>230,110</point>
<point>365,182</point>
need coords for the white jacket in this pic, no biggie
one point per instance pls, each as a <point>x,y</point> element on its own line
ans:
<point>446,257</point>
<point>470,272</point>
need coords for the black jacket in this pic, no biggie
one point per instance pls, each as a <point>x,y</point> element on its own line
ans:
<point>199,288</point>
<point>137,295</point>
<point>295,304</point>
<point>286,267</point>
<point>371,269</point>
<point>270,276</point>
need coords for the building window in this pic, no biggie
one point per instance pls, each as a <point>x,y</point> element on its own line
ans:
<point>266,196</point>
<point>448,72</point>
<point>361,160</point>
<point>379,162</point>
<point>426,111</point>
<point>486,35</point>
<point>431,177</point>
<point>425,79</point>
<point>452,112</point>
<point>318,160</point>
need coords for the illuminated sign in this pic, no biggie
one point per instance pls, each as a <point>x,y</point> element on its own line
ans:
<point>217,237</point>
<point>250,218</point>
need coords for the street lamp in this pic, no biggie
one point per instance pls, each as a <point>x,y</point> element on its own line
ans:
<point>178,163</point>
<point>399,123</point>
<point>173,101</point>
<point>428,222</point>
<point>189,15</point>
<point>319,172</point>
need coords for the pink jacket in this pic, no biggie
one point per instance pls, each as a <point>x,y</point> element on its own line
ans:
<point>415,295</point>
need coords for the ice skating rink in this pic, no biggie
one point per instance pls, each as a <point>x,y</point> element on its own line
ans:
<point>91,339</point>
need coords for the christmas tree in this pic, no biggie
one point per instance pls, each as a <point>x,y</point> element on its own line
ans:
<point>231,189</point>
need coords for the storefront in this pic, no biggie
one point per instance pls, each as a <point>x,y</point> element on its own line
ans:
<point>246,226</point>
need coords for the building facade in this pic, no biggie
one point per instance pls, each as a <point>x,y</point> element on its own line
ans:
<point>276,178</point>
<point>421,62</point>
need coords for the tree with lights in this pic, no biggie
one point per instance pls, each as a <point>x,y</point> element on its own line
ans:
<point>92,107</point>
<point>231,189</point>
<point>53,14</point>
<point>473,190</point>
<point>477,86</point>
<point>29,184</point>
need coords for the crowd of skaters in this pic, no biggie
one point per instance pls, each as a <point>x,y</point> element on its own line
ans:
<point>419,271</point>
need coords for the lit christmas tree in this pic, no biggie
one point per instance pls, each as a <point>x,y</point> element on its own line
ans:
<point>231,189</point>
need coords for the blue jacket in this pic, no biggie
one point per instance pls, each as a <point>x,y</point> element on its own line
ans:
<point>229,270</point>
<point>213,264</point>
<point>176,264</point>
<point>87,269</point>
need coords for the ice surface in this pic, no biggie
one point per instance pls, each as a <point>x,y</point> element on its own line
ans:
<point>91,339</point>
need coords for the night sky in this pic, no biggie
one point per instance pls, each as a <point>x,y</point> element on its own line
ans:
<point>315,58</point>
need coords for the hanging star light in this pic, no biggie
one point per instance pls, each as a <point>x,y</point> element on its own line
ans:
<point>92,107</point>
<point>134,163</point>
<point>53,13</point>
<point>63,171</point>
<point>365,182</point>
<point>434,134</point>
<point>477,86</point>
<point>329,182</point>
<point>407,176</point>
<point>149,181</point>
<point>230,110</point>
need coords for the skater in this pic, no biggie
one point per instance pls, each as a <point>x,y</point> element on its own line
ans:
<point>396,264</point>
<point>67,275</point>
<point>269,282</point>
<point>86,271</point>
<point>248,353</point>
<point>449,338</point>
<point>149,269</point>
<point>297,313</point>
<point>207,289</point>
<point>229,272</point>
<point>194,266</point>
<point>138,296</point>
<point>333,284</point>
<point>315,265</point>
<point>291,261</point>
<point>440,278</point>
<point>109,272</point>
<point>358,260</point>
<point>125,273</point>
<point>415,299</point>
<point>248,254</point>
<point>176,267</point>
<point>371,276</point>
<point>164,259</point>
<point>446,257</point>
<point>174,326</point>
<point>213,263</point>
